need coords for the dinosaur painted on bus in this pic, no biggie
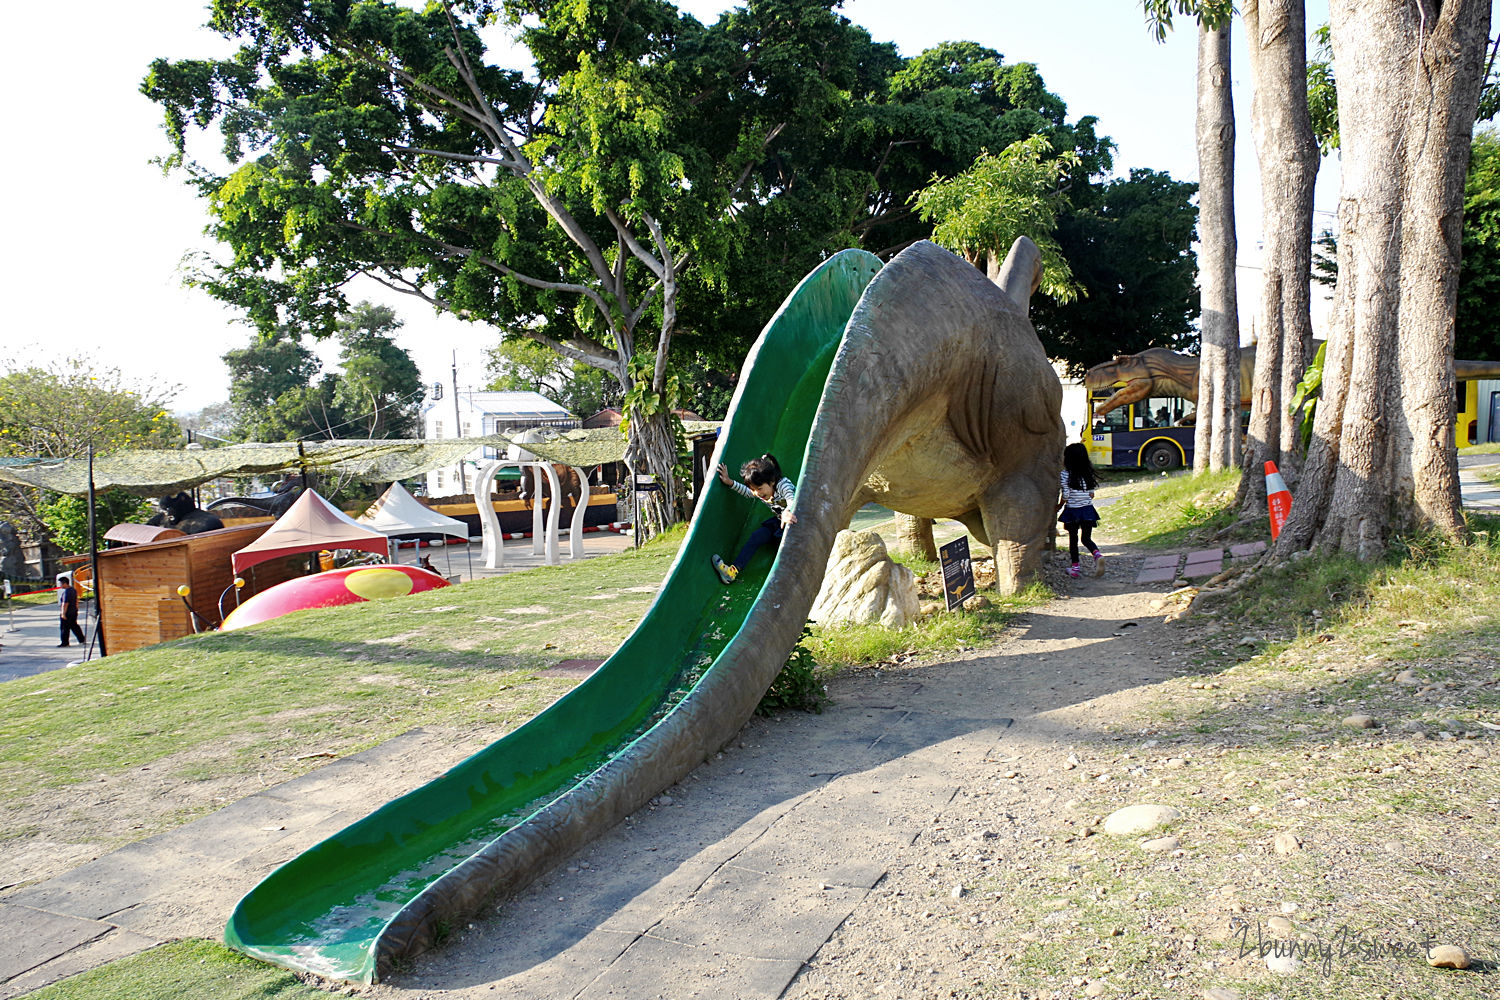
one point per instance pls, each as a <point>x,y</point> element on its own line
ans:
<point>1158,372</point>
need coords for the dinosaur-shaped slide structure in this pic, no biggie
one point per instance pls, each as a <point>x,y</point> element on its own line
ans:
<point>920,383</point>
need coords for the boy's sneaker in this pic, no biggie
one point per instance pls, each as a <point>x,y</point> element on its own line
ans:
<point>728,572</point>
<point>1098,563</point>
<point>1073,571</point>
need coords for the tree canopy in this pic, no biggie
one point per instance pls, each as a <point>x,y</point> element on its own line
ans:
<point>1132,255</point>
<point>60,410</point>
<point>279,393</point>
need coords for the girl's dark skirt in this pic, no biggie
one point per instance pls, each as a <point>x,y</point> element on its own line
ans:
<point>1079,515</point>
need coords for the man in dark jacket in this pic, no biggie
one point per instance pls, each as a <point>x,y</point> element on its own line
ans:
<point>67,611</point>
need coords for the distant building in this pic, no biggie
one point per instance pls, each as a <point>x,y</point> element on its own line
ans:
<point>611,417</point>
<point>480,414</point>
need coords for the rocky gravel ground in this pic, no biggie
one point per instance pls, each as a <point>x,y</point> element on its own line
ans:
<point>1326,825</point>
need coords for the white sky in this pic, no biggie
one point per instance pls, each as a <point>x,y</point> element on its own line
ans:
<point>95,233</point>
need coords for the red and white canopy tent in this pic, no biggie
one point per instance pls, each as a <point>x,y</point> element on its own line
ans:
<point>312,524</point>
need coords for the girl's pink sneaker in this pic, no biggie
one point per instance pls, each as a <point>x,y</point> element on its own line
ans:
<point>1073,571</point>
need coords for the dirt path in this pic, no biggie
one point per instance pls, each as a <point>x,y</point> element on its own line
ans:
<point>966,757</point>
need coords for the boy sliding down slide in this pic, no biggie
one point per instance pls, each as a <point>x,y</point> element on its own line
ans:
<point>763,482</point>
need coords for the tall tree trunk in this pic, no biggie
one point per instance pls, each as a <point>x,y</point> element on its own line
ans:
<point>1216,440</point>
<point>1382,459</point>
<point>1288,155</point>
<point>652,449</point>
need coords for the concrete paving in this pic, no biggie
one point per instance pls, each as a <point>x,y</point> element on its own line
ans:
<point>1479,495</point>
<point>28,640</point>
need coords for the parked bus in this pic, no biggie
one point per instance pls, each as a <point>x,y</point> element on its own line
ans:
<point>1478,418</point>
<point>1155,434</point>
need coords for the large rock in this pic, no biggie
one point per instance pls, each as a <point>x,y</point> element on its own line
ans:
<point>864,585</point>
<point>1139,819</point>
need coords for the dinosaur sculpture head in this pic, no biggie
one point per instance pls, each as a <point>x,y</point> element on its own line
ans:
<point>1153,372</point>
<point>1120,368</point>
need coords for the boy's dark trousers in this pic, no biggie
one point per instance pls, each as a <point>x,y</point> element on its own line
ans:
<point>769,533</point>
<point>65,625</point>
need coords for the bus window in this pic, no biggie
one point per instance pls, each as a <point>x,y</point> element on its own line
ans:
<point>1165,411</point>
<point>1113,422</point>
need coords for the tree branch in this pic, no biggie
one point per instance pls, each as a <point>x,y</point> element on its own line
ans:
<point>555,286</point>
<point>750,167</point>
<point>668,302</point>
<point>460,157</point>
<point>628,238</point>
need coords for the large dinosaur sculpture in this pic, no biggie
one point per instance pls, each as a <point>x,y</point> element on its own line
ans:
<point>923,386</point>
<point>1159,372</point>
<point>977,433</point>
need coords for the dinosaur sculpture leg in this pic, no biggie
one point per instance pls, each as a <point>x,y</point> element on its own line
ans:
<point>1013,519</point>
<point>914,535</point>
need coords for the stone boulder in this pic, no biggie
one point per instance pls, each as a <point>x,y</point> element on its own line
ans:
<point>862,584</point>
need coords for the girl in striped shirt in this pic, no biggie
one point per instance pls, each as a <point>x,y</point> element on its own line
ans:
<point>769,486</point>
<point>1077,505</point>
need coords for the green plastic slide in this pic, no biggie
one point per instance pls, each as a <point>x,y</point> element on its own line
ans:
<point>382,888</point>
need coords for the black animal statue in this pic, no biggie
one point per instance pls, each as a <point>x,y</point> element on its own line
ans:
<point>276,503</point>
<point>181,513</point>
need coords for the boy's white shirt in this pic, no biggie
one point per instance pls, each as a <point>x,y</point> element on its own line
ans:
<point>781,496</point>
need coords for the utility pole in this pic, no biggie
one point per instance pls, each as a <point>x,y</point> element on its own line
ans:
<point>458,426</point>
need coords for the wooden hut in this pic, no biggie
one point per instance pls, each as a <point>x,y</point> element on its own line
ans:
<point>138,584</point>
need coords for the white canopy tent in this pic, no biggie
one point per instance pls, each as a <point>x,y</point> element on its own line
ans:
<point>397,513</point>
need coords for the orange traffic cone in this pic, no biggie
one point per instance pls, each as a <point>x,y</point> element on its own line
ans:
<point>1278,499</point>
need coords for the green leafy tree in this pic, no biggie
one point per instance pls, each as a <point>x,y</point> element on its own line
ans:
<point>273,364</point>
<point>849,178</point>
<point>1016,192</point>
<point>518,364</point>
<point>1476,327</point>
<point>1132,255</point>
<point>67,517</point>
<point>58,410</point>
<point>61,410</point>
<point>379,391</point>
<point>381,142</point>
<point>279,393</point>
<point>1322,92</point>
